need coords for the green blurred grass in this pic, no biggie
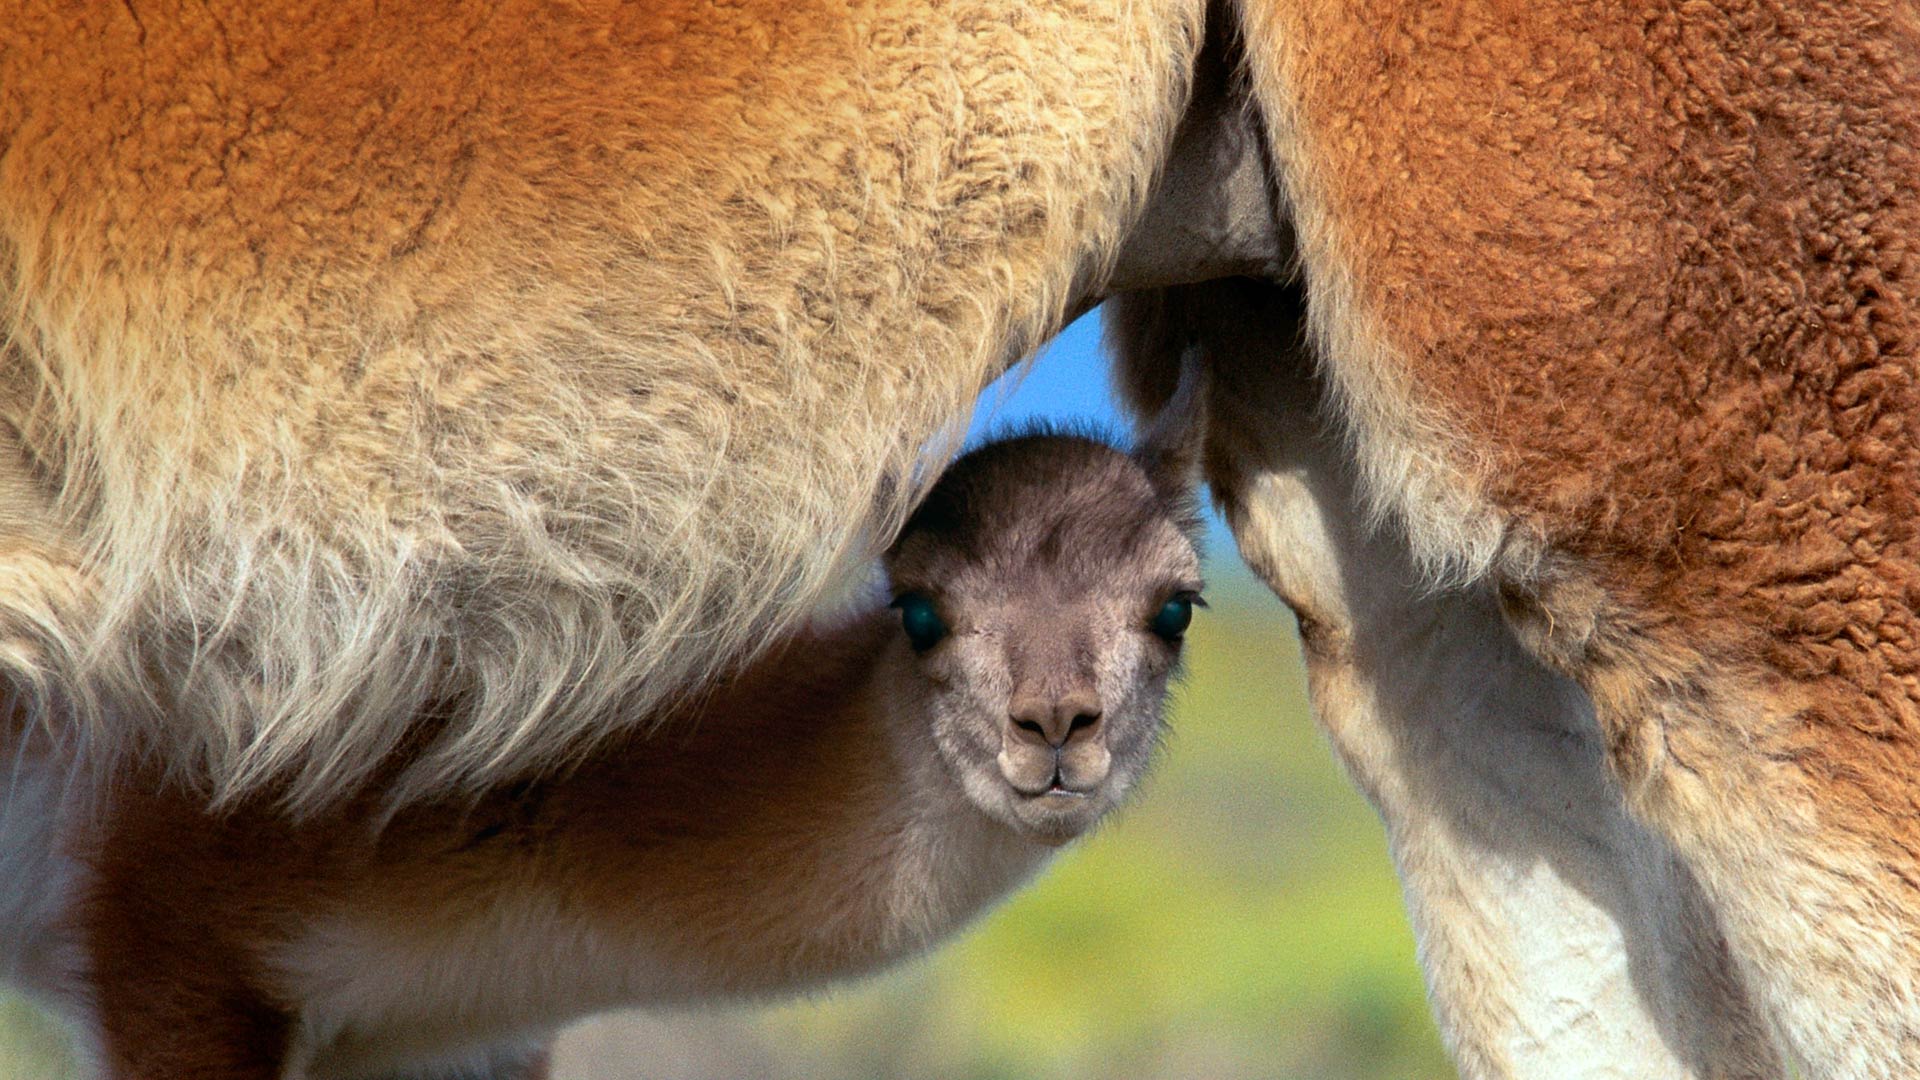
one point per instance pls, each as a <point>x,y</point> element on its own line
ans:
<point>32,1047</point>
<point>1240,920</point>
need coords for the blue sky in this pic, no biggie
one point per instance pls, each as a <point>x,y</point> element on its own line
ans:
<point>1068,380</point>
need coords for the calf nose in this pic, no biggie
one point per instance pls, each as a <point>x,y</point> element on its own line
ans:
<point>1055,720</point>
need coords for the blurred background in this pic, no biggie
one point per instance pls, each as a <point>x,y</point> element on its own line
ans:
<point>1239,920</point>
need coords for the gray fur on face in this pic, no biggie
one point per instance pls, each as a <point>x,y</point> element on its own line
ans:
<point>1048,557</point>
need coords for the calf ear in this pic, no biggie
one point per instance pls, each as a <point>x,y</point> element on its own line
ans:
<point>1170,450</point>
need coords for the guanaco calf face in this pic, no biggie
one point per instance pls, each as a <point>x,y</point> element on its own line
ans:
<point>876,787</point>
<point>1046,617</point>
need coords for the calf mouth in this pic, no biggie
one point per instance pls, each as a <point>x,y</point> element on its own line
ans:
<point>1056,787</point>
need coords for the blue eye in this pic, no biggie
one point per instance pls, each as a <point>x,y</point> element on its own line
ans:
<point>1174,617</point>
<point>923,625</point>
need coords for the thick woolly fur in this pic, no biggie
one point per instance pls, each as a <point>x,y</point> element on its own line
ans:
<point>524,367</point>
<point>1616,307</point>
<point>526,363</point>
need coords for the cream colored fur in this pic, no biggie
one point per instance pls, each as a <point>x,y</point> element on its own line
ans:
<point>550,457</point>
<point>1560,936</point>
<point>1415,469</point>
<point>589,427</point>
<point>1811,897</point>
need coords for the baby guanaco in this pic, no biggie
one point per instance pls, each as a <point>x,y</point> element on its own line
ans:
<point>844,801</point>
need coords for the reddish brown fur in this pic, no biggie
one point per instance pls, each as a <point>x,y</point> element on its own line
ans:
<point>1661,264</point>
<point>285,205</point>
<point>188,907</point>
<point>1619,303</point>
<point>1653,265</point>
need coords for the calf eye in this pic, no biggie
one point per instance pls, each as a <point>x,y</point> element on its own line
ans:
<point>923,625</point>
<point>1174,617</point>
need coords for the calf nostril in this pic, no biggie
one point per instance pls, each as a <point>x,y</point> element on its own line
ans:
<point>1053,721</point>
<point>1032,728</point>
